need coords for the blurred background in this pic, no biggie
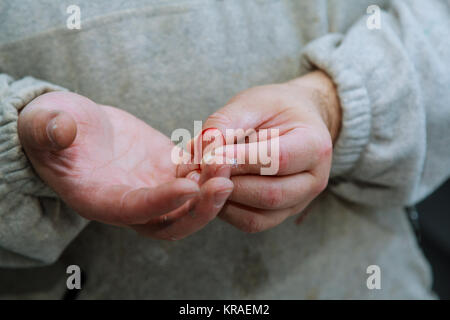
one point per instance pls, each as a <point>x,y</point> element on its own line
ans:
<point>433,233</point>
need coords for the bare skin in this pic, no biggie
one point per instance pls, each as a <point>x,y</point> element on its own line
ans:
<point>112,167</point>
<point>308,115</point>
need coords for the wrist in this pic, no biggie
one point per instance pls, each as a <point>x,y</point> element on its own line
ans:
<point>323,93</point>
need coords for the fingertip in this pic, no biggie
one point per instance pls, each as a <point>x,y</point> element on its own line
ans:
<point>184,169</point>
<point>226,183</point>
<point>218,191</point>
<point>214,171</point>
<point>194,176</point>
<point>49,130</point>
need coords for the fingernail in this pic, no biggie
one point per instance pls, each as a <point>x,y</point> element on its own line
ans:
<point>221,196</point>
<point>194,176</point>
<point>51,127</point>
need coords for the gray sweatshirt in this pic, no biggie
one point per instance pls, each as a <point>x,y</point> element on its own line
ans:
<point>173,62</point>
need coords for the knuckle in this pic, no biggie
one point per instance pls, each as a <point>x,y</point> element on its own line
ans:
<point>272,196</point>
<point>252,225</point>
<point>325,147</point>
<point>239,188</point>
<point>322,146</point>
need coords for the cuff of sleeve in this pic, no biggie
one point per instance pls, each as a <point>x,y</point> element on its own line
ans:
<point>324,54</point>
<point>16,174</point>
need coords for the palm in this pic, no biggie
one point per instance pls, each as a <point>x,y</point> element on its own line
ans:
<point>122,150</point>
<point>113,152</point>
<point>112,167</point>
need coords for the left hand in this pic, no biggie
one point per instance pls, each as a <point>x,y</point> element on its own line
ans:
<point>307,113</point>
<point>111,167</point>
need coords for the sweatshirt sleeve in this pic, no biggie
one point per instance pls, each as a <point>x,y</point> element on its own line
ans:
<point>34,228</point>
<point>394,88</point>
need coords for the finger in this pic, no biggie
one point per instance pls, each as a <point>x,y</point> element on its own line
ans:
<point>184,169</point>
<point>41,129</point>
<point>242,112</point>
<point>193,217</point>
<point>125,205</point>
<point>206,141</point>
<point>274,192</point>
<point>296,151</point>
<point>208,171</point>
<point>252,220</point>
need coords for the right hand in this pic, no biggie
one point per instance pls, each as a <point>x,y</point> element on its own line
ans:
<point>111,167</point>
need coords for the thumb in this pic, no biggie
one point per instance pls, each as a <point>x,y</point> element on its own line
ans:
<point>48,130</point>
<point>245,112</point>
<point>232,116</point>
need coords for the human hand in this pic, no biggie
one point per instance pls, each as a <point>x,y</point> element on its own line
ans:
<point>111,167</point>
<point>307,113</point>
